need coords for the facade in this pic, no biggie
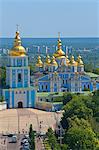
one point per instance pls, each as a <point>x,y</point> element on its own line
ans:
<point>18,93</point>
<point>64,74</point>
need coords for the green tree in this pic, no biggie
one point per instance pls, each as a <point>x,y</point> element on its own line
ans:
<point>32,138</point>
<point>67,98</point>
<point>1,99</point>
<point>2,76</point>
<point>79,138</point>
<point>52,140</point>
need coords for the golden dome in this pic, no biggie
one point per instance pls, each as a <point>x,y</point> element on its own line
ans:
<point>53,62</point>
<point>72,62</point>
<point>48,61</point>
<point>59,54</point>
<point>17,49</point>
<point>39,62</point>
<point>79,61</point>
<point>67,60</point>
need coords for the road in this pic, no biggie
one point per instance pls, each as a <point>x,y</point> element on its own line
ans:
<point>6,145</point>
<point>39,144</point>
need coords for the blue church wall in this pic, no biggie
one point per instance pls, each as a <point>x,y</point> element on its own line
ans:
<point>44,86</point>
<point>24,61</point>
<point>19,62</point>
<point>12,99</point>
<point>97,85</point>
<point>27,98</point>
<point>19,84</point>
<point>91,87</point>
<point>33,98</point>
<point>85,85</point>
<point>26,84</point>
<point>7,97</point>
<point>55,87</point>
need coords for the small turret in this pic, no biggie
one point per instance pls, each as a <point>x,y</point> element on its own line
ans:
<point>39,62</point>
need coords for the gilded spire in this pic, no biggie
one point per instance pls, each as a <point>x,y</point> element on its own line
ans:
<point>79,61</point>
<point>48,61</point>
<point>17,41</point>
<point>17,49</point>
<point>59,53</point>
<point>39,62</point>
<point>67,60</point>
<point>53,62</point>
<point>72,61</point>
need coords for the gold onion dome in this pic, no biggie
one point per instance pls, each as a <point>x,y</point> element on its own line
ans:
<point>17,49</point>
<point>59,53</point>
<point>53,62</point>
<point>48,61</point>
<point>79,61</point>
<point>72,62</point>
<point>39,62</point>
<point>67,60</point>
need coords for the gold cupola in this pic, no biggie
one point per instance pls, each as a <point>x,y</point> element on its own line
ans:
<point>59,53</point>
<point>72,61</point>
<point>67,60</point>
<point>53,62</point>
<point>18,49</point>
<point>48,61</point>
<point>39,62</point>
<point>79,61</point>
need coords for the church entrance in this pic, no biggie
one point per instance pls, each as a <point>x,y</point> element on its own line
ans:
<point>20,105</point>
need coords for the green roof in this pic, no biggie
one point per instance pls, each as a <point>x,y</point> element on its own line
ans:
<point>46,94</point>
<point>92,75</point>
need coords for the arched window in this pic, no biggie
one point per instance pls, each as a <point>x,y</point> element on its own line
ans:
<point>19,77</point>
<point>84,86</point>
<point>42,87</point>
<point>46,87</point>
<point>88,86</point>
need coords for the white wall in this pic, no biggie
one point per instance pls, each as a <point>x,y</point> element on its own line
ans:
<point>3,105</point>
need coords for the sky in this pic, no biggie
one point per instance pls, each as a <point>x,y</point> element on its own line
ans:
<point>45,18</point>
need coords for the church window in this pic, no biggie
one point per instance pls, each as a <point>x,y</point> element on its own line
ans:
<point>42,87</point>
<point>46,87</point>
<point>88,86</point>
<point>19,77</point>
<point>24,92</point>
<point>66,81</point>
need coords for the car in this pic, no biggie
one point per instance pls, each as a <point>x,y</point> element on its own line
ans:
<point>24,141</point>
<point>26,146</point>
<point>13,139</point>
<point>26,136</point>
<point>10,135</point>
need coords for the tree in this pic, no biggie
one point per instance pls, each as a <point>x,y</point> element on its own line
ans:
<point>76,107</point>
<point>1,99</point>
<point>52,140</point>
<point>32,138</point>
<point>79,138</point>
<point>2,76</point>
<point>67,98</point>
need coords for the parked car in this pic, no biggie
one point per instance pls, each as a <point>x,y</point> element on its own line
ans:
<point>13,139</point>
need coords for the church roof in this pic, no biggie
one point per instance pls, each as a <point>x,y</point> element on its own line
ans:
<point>17,49</point>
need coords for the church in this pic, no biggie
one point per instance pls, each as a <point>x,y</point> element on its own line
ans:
<point>64,74</point>
<point>18,93</point>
